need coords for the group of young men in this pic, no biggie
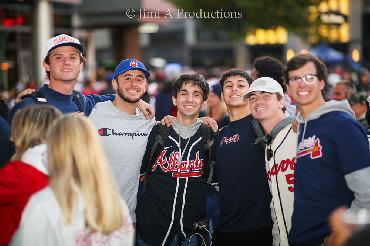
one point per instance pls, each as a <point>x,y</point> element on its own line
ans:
<point>279,176</point>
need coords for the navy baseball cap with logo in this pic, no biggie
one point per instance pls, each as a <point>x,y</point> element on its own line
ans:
<point>130,64</point>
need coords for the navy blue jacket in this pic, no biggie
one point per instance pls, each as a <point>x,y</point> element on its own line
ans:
<point>62,102</point>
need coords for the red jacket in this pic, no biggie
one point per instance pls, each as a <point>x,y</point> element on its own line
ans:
<point>18,181</point>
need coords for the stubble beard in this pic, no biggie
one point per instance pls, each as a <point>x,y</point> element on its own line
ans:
<point>126,99</point>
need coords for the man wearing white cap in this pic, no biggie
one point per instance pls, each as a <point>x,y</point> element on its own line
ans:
<point>63,62</point>
<point>266,99</point>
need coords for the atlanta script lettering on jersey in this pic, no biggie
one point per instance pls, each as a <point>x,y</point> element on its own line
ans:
<point>191,168</point>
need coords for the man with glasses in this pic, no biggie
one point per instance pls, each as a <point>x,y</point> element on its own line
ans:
<point>330,171</point>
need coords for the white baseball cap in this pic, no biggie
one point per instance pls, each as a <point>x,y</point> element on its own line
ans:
<point>265,84</point>
<point>62,40</point>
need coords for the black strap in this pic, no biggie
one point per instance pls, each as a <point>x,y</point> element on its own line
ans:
<point>207,135</point>
<point>161,135</point>
<point>77,99</point>
<point>39,98</point>
<point>260,134</point>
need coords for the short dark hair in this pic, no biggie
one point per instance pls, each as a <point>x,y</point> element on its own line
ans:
<point>194,79</point>
<point>300,60</point>
<point>267,66</point>
<point>234,72</point>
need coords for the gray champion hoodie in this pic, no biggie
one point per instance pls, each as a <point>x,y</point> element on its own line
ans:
<point>124,138</point>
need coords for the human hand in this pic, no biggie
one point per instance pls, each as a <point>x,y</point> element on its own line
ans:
<point>208,121</point>
<point>23,93</point>
<point>341,231</point>
<point>168,120</point>
<point>147,110</point>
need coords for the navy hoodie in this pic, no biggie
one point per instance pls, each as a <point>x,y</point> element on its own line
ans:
<point>332,166</point>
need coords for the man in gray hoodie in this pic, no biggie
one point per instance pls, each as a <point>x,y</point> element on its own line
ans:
<point>123,128</point>
<point>333,159</point>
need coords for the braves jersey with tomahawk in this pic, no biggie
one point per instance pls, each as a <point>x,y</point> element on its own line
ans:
<point>332,148</point>
<point>280,160</point>
<point>174,196</point>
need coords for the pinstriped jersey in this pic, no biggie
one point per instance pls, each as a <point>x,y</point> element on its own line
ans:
<point>280,175</point>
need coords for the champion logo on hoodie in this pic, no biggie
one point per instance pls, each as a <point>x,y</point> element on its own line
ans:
<point>105,132</point>
<point>310,146</point>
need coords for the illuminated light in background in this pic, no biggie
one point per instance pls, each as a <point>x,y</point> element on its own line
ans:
<point>149,28</point>
<point>4,66</point>
<point>289,54</point>
<point>355,55</point>
<point>279,35</point>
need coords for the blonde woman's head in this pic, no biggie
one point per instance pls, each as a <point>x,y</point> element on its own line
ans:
<point>30,126</point>
<point>77,166</point>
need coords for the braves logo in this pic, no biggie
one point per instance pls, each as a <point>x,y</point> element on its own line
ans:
<point>310,146</point>
<point>228,140</point>
<point>134,63</point>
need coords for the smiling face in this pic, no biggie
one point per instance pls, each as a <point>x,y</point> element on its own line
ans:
<point>189,101</point>
<point>64,64</point>
<point>307,96</point>
<point>234,89</point>
<point>266,106</point>
<point>130,86</point>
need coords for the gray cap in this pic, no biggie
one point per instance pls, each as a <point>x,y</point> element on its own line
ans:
<point>265,84</point>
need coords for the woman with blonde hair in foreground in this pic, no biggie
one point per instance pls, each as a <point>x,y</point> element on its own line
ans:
<point>27,172</point>
<point>81,206</point>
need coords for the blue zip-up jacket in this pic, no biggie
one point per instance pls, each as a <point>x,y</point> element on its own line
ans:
<point>62,102</point>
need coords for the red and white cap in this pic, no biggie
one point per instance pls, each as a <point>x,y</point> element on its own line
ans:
<point>62,40</point>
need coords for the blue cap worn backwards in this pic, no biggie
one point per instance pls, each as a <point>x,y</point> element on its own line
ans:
<point>130,64</point>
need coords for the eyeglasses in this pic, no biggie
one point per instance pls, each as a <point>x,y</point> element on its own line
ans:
<point>308,79</point>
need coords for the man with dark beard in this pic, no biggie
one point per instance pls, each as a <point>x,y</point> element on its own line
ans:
<point>123,128</point>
